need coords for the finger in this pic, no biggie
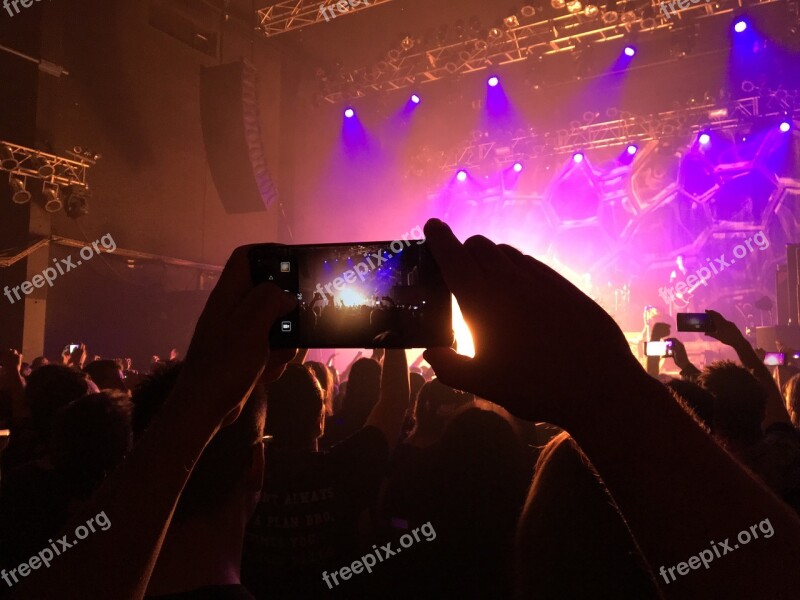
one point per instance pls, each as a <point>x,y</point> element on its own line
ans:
<point>454,261</point>
<point>263,305</point>
<point>234,283</point>
<point>487,255</point>
<point>453,369</point>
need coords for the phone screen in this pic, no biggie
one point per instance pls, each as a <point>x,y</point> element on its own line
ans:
<point>662,349</point>
<point>698,322</point>
<point>358,295</point>
<point>73,347</point>
<point>774,359</point>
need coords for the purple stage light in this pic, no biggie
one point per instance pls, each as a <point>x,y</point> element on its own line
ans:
<point>577,157</point>
<point>785,126</point>
<point>517,167</point>
<point>632,149</point>
<point>493,81</point>
<point>629,51</point>
<point>415,99</point>
<point>704,139</point>
<point>740,26</point>
<point>461,175</point>
<point>349,113</point>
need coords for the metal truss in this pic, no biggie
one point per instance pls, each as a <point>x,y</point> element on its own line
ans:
<point>283,17</point>
<point>625,130</point>
<point>26,162</point>
<point>402,69</point>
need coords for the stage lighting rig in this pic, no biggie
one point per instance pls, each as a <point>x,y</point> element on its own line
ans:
<point>630,131</point>
<point>24,164</point>
<point>289,15</point>
<point>472,52</point>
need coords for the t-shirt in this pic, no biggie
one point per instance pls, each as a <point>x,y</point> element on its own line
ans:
<point>211,592</point>
<point>307,520</point>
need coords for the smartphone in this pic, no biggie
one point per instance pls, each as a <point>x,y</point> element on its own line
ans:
<point>71,348</point>
<point>662,349</point>
<point>699,322</point>
<point>775,359</point>
<point>357,295</point>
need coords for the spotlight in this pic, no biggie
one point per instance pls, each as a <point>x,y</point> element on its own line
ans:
<point>632,149</point>
<point>591,11</point>
<point>407,43</point>
<point>52,198</point>
<point>517,167</point>
<point>574,6</point>
<point>415,99</point>
<point>461,175</point>
<point>630,51</point>
<point>43,168</point>
<point>349,113</point>
<point>511,22</point>
<point>704,139</point>
<point>740,26</point>
<point>21,195</point>
<point>495,35</point>
<point>785,126</point>
<point>493,81</point>
<point>7,160</point>
<point>577,158</point>
<point>558,4</point>
<point>77,202</point>
<point>528,11</point>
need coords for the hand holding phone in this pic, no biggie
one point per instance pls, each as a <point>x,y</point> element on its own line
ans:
<point>662,349</point>
<point>696,322</point>
<point>775,359</point>
<point>357,295</point>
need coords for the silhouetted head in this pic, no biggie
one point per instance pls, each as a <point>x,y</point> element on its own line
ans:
<point>437,403</point>
<point>49,389</point>
<point>696,398</point>
<point>363,387</point>
<point>107,374</point>
<point>792,396</point>
<point>91,436</point>
<point>295,407</point>
<point>739,402</point>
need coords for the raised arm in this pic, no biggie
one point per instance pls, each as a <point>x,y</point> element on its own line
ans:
<point>140,496</point>
<point>688,371</point>
<point>390,411</point>
<point>346,373</point>
<point>12,381</point>
<point>726,332</point>
<point>676,488</point>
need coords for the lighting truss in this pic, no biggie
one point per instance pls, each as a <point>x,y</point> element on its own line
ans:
<point>629,129</point>
<point>65,171</point>
<point>419,65</point>
<point>282,17</point>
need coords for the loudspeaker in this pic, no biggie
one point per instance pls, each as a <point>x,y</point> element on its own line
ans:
<point>793,272</point>
<point>782,294</point>
<point>767,337</point>
<point>232,137</point>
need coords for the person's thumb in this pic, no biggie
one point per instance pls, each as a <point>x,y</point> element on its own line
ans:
<point>264,304</point>
<point>453,369</point>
